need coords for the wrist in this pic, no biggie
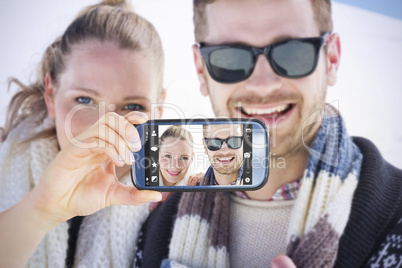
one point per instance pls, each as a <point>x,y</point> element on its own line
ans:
<point>23,227</point>
<point>41,212</point>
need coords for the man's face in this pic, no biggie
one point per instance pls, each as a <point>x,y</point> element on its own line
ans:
<point>225,160</point>
<point>282,103</point>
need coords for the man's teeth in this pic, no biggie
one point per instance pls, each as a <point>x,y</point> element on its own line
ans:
<point>276,109</point>
<point>225,159</point>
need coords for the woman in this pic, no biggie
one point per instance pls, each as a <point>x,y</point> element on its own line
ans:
<point>68,142</point>
<point>175,156</point>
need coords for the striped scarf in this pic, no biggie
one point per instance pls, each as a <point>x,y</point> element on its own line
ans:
<point>200,234</point>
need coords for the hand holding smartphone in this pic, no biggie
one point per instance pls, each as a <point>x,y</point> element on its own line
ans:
<point>202,155</point>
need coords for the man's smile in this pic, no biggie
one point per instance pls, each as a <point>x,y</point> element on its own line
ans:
<point>225,160</point>
<point>273,111</point>
<point>270,114</point>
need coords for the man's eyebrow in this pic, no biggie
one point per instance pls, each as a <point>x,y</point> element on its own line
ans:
<point>277,39</point>
<point>285,37</point>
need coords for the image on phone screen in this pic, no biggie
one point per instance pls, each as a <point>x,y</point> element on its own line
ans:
<point>201,155</point>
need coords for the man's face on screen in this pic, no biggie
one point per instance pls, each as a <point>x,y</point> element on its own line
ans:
<point>224,160</point>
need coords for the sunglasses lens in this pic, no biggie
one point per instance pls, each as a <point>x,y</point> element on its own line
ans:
<point>291,59</point>
<point>294,58</point>
<point>230,64</point>
<point>234,142</point>
<point>213,144</point>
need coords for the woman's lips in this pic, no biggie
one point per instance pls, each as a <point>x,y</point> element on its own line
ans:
<point>173,173</point>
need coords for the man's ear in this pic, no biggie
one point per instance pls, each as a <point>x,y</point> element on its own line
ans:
<point>199,67</point>
<point>333,58</point>
<point>49,96</point>
<point>161,100</point>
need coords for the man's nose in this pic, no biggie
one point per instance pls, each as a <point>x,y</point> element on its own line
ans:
<point>224,147</point>
<point>263,80</point>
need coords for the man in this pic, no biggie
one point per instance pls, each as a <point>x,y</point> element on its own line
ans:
<point>336,203</point>
<point>223,144</point>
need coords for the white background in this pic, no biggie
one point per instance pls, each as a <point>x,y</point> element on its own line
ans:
<point>368,92</point>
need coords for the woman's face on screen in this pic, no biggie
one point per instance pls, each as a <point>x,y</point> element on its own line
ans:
<point>175,158</point>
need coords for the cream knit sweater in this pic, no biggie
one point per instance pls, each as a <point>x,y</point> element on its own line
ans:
<point>106,239</point>
<point>249,221</point>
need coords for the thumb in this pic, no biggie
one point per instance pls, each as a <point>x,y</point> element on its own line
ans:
<point>282,261</point>
<point>119,194</point>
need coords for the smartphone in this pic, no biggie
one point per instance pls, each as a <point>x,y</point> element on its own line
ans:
<point>208,154</point>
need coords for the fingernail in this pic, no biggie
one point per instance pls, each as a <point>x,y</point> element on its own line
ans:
<point>143,115</point>
<point>120,159</point>
<point>136,145</point>
<point>134,139</point>
<point>134,116</point>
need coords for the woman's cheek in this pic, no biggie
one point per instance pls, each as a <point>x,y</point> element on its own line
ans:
<point>163,163</point>
<point>184,164</point>
<point>176,164</point>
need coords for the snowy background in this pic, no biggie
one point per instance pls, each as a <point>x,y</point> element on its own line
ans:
<point>368,92</point>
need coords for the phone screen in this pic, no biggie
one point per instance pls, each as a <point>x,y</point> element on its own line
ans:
<point>199,155</point>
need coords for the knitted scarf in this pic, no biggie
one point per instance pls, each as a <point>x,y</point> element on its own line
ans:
<point>106,238</point>
<point>200,234</point>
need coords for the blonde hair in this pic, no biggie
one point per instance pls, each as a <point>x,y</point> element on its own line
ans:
<point>321,9</point>
<point>177,132</point>
<point>112,20</point>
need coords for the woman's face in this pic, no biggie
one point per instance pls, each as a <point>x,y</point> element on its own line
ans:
<point>175,157</point>
<point>100,77</point>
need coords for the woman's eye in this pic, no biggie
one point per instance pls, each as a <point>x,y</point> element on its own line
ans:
<point>84,100</point>
<point>168,156</point>
<point>184,158</point>
<point>134,107</point>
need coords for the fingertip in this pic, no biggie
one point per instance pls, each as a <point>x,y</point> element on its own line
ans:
<point>156,196</point>
<point>145,196</point>
<point>282,261</point>
<point>135,146</point>
<point>129,158</point>
<point>120,162</point>
<point>136,117</point>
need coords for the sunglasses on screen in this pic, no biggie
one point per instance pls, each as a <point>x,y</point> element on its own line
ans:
<point>294,58</point>
<point>214,144</point>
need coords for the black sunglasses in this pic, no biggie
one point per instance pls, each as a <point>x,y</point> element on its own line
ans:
<point>294,58</point>
<point>214,144</point>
